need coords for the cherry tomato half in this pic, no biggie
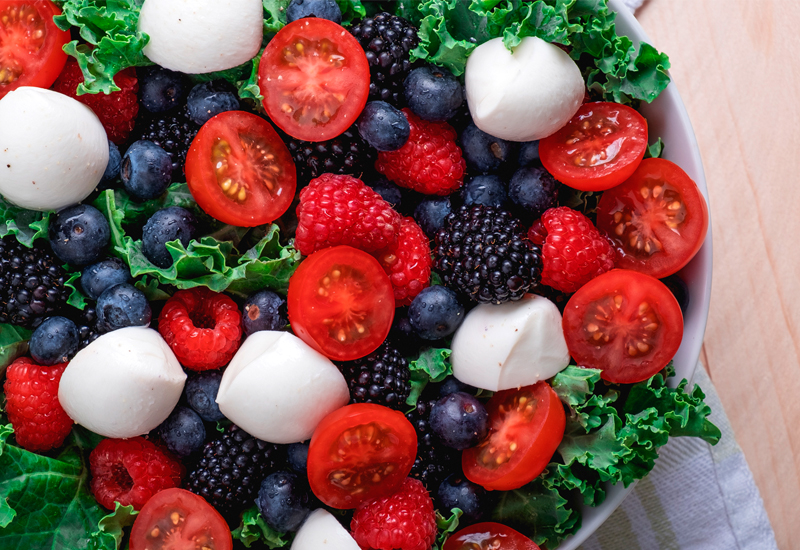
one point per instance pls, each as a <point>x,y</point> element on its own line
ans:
<point>30,44</point>
<point>657,220</point>
<point>359,453</point>
<point>239,170</point>
<point>314,77</point>
<point>627,324</point>
<point>600,147</point>
<point>341,303</point>
<point>526,427</point>
<point>175,519</point>
<point>489,536</point>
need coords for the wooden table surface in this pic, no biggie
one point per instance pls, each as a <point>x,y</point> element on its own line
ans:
<point>736,64</point>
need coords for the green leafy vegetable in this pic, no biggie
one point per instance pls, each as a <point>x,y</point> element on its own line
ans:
<point>244,78</point>
<point>654,150</point>
<point>25,225</point>
<point>432,365</point>
<point>351,11</point>
<point>253,528</point>
<point>274,15</point>
<point>112,525</point>
<point>446,526</point>
<point>76,298</point>
<point>13,344</point>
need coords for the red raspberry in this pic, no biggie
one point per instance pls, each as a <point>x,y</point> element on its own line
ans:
<point>341,210</point>
<point>407,263</point>
<point>117,111</point>
<point>430,162</point>
<point>402,521</point>
<point>203,328</point>
<point>573,250</point>
<point>130,471</point>
<point>39,421</point>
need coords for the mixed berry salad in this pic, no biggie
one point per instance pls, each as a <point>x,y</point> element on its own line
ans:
<point>331,274</point>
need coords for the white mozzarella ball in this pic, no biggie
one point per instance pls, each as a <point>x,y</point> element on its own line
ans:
<point>123,384</point>
<point>53,149</point>
<point>278,389</point>
<point>201,36</point>
<point>322,531</point>
<point>524,95</point>
<point>499,347</point>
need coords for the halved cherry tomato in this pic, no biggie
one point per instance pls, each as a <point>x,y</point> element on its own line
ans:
<point>341,303</point>
<point>30,44</point>
<point>627,324</point>
<point>314,77</point>
<point>657,220</point>
<point>239,170</point>
<point>175,519</point>
<point>600,147</point>
<point>489,536</point>
<point>526,427</point>
<point>360,452</point>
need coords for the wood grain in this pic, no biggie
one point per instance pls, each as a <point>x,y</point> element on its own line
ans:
<point>736,64</point>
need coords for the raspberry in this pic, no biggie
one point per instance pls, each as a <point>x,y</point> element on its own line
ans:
<point>117,111</point>
<point>342,210</point>
<point>573,250</point>
<point>130,471</point>
<point>202,327</point>
<point>39,421</point>
<point>430,162</point>
<point>402,521</point>
<point>408,262</point>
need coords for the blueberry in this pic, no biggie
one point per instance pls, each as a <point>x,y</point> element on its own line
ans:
<point>534,189</point>
<point>168,224</point>
<point>146,170</point>
<point>113,167</point>
<point>264,310</point>
<point>183,432</point>
<point>430,214</point>
<point>388,191</point>
<point>383,126</point>
<point>435,312</point>
<point>488,190</point>
<point>679,289</point>
<point>55,341</point>
<point>298,457</point>
<point>453,385</point>
<point>161,89</point>
<point>284,501</point>
<point>470,498</point>
<point>433,93</point>
<point>201,394</point>
<point>485,153</point>
<point>98,277</point>
<point>324,9</point>
<point>528,153</point>
<point>460,420</point>
<point>209,99</point>
<point>79,234</point>
<point>122,306</point>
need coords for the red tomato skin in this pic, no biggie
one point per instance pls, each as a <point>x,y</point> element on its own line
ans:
<point>631,139</point>
<point>484,533</point>
<point>677,253</point>
<point>545,433</point>
<point>54,59</point>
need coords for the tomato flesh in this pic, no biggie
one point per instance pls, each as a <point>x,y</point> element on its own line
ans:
<point>600,147</point>
<point>489,536</point>
<point>526,427</point>
<point>30,44</point>
<point>360,452</point>
<point>175,519</point>
<point>239,170</point>
<point>627,324</point>
<point>657,220</point>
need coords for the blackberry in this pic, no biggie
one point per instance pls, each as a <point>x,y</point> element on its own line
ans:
<point>387,40</point>
<point>31,283</point>
<point>484,253</point>
<point>231,470</point>
<point>173,131</point>
<point>87,326</point>
<point>381,377</point>
<point>347,153</point>
<point>435,461</point>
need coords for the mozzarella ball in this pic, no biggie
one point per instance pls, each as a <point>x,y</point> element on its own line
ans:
<point>499,347</point>
<point>322,531</point>
<point>278,389</point>
<point>53,149</point>
<point>201,36</point>
<point>123,384</point>
<point>525,95</point>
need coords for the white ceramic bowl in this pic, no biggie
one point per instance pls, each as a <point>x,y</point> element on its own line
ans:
<point>667,119</point>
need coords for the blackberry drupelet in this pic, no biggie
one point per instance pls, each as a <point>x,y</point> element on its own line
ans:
<point>435,461</point>
<point>86,322</point>
<point>173,131</point>
<point>484,253</point>
<point>31,283</point>
<point>381,377</point>
<point>347,153</point>
<point>232,468</point>
<point>387,40</point>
